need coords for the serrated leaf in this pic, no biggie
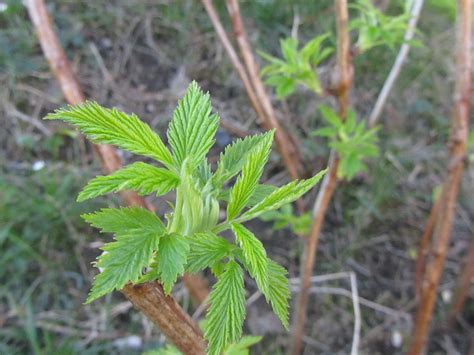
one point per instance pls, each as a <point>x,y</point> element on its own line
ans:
<point>259,194</point>
<point>140,177</point>
<point>111,126</point>
<point>235,156</point>
<point>192,129</point>
<point>247,182</point>
<point>325,132</point>
<point>171,259</point>
<point>256,260</point>
<point>206,249</point>
<point>118,220</point>
<point>278,292</point>
<point>137,235</point>
<point>283,195</point>
<point>226,313</point>
<point>331,116</point>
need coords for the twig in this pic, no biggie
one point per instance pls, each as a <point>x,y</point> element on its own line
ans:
<point>233,56</point>
<point>149,298</point>
<point>249,74</point>
<point>100,62</point>
<point>397,65</point>
<point>355,303</point>
<point>284,142</point>
<point>296,24</point>
<point>459,134</point>
<point>465,280</point>
<point>12,110</point>
<point>344,75</point>
<point>424,246</point>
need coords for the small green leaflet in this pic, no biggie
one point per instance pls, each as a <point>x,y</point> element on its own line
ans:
<point>110,126</point>
<point>140,177</point>
<point>254,253</point>
<point>235,155</point>
<point>192,129</point>
<point>121,220</point>
<point>259,194</point>
<point>124,259</point>
<point>247,182</point>
<point>297,66</point>
<point>206,249</point>
<point>226,313</point>
<point>283,195</point>
<point>352,141</point>
<point>278,292</point>
<point>171,258</point>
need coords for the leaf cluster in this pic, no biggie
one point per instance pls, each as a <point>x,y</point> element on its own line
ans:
<point>352,140</point>
<point>286,217</point>
<point>376,29</point>
<point>147,248</point>
<point>297,67</point>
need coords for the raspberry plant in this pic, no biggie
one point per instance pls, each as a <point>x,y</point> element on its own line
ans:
<point>352,140</point>
<point>297,67</point>
<point>189,238</point>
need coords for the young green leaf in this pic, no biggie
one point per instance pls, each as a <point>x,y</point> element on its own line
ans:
<point>235,156</point>
<point>254,253</point>
<point>331,116</point>
<point>206,249</point>
<point>247,182</point>
<point>278,292</point>
<point>297,66</point>
<point>122,220</point>
<point>171,257</point>
<point>259,194</point>
<point>140,177</point>
<point>192,129</point>
<point>137,236</point>
<point>110,126</point>
<point>283,195</point>
<point>226,313</point>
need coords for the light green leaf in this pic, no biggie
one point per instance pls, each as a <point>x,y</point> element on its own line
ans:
<point>226,313</point>
<point>261,192</point>
<point>278,292</point>
<point>235,155</point>
<point>122,220</point>
<point>140,177</point>
<point>247,182</point>
<point>327,131</point>
<point>171,259</point>
<point>331,116</point>
<point>137,234</point>
<point>192,129</point>
<point>206,249</point>
<point>254,254</point>
<point>283,195</point>
<point>110,126</point>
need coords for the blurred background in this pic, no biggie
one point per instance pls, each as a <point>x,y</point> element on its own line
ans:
<point>140,55</point>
